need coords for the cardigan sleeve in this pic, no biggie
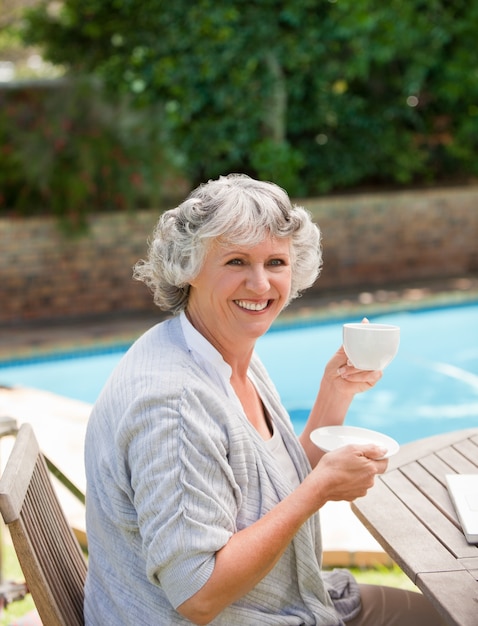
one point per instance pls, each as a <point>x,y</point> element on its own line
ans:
<point>184,491</point>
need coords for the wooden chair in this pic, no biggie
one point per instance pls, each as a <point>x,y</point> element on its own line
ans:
<point>48,551</point>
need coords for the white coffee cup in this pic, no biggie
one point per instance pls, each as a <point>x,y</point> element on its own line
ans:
<point>371,346</point>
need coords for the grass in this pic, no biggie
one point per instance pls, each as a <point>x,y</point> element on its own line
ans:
<point>12,571</point>
<point>379,575</point>
<point>383,575</point>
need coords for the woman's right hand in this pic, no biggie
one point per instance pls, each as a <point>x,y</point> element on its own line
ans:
<point>346,473</point>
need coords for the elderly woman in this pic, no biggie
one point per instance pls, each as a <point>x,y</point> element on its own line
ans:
<point>202,504</point>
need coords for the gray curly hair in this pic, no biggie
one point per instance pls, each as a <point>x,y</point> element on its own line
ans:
<point>239,210</point>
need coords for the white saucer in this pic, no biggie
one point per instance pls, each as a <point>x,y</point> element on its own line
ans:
<point>330,438</point>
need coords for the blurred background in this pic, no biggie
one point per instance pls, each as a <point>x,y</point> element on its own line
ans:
<point>104,103</point>
<point>119,107</point>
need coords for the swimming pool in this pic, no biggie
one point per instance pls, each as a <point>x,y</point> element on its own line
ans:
<point>430,387</point>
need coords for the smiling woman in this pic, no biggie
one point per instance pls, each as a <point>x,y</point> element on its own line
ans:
<point>190,418</point>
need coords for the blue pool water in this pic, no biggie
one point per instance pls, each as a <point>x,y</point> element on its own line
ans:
<point>430,387</point>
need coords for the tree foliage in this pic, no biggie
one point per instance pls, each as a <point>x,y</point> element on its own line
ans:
<point>314,94</point>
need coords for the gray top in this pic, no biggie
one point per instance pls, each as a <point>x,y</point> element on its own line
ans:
<point>174,468</point>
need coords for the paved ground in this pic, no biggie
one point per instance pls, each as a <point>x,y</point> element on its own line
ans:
<point>60,423</point>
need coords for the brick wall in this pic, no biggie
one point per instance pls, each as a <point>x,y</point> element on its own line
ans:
<point>381,239</point>
<point>368,241</point>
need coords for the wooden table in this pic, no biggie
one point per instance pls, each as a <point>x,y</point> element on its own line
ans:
<point>409,512</point>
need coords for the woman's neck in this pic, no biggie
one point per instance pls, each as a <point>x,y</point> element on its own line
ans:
<point>252,405</point>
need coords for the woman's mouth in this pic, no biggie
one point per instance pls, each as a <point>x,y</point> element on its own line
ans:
<point>252,306</point>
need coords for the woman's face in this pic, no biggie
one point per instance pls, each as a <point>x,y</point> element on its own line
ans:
<point>240,291</point>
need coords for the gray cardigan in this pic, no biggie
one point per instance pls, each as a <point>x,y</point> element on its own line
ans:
<point>174,468</point>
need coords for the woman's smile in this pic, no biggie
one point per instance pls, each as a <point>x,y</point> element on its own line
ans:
<point>253,305</point>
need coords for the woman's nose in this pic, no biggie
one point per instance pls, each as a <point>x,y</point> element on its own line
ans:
<point>258,280</point>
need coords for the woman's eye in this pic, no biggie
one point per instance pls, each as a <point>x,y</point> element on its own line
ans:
<point>276,262</point>
<point>235,262</point>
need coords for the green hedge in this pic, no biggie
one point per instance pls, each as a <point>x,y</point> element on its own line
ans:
<point>67,149</point>
<point>316,95</point>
